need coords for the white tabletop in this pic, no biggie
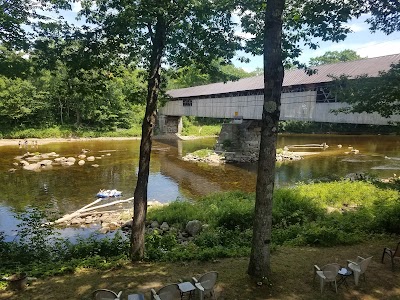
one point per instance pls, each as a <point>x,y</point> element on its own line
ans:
<point>186,287</point>
<point>136,297</point>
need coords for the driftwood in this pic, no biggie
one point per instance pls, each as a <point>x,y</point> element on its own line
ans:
<point>86,209</point>
<point>323,145</point>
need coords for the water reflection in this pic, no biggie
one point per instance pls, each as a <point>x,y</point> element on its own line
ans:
<point>66,189</point>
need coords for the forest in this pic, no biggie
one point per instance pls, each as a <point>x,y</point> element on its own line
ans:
<point>61,83</point>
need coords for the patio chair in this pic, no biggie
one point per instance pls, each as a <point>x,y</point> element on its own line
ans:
<point>359,267</point>
<point>327,273</point>
<point>168,292</point>
<point>205,284</point>
<point>103,294</point>
<point>392,254</point>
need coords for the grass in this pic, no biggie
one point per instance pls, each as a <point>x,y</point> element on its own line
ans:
<point>68,132</point>
<point>292,277</point>
<point>202,153</point>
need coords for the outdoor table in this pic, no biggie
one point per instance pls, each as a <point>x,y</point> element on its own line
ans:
<point>344,274</point>
<point>136,297</point>
<point>187,287</point>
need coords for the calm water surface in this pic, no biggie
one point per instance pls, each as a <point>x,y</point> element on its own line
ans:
<point>65,189</point>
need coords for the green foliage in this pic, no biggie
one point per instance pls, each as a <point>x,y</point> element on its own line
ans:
<point>202,153</point>
<point>345,193</point>
<point>331,57</point>
<point>292,207</point>
<point>190,76</point>
<point>317,127</point>
<point>39,251</point>
<point>176,213</point>
<point>192,126</point>
<point>157,245</point>
<point>366,94</point>
<point>217,210</point>
<point>21,104</point>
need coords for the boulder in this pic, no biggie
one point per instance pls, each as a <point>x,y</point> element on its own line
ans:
<point>193,227</point>
<point>71,159</point>
<point>24,163</point>
<point>104,230</point>
<point>154,203</point>
<point>164,226</point>
<point>81,162</point>
<point>67,163</point>
<point>154,224</point>
<point>46,162</point>
<point>77,221</point>
<point>90,158</point>
<point>31,167</point>
<point>127,225</point>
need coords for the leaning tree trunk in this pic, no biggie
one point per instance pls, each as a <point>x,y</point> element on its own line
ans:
<point>140,195</point>
<point>259,265</point>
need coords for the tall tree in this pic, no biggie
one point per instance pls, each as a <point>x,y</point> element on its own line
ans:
<point>331,57</point>
<point>259,264</point>
<point>179,33</point>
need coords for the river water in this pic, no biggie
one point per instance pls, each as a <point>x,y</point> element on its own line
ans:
<point>66,189</point>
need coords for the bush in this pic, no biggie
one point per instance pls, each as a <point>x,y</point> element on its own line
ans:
<point>291,207</point>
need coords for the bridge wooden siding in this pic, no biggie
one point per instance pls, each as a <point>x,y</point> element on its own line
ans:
<point>304,97</point>
<point>300,106</point>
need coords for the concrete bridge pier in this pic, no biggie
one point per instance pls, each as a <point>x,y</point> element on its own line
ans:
<point>240,141</point>
<point>169,124</point>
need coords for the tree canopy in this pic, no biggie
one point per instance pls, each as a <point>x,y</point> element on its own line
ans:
<point>16,14</point>
<point>331,57</point>
<point>371,94</point>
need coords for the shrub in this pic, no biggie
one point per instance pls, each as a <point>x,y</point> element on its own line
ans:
<point>290,207</point>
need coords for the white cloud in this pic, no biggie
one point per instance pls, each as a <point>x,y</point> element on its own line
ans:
<point>357,27</point>
<point>76,6</point>
<point>244,35</point>
<point>379,49</point>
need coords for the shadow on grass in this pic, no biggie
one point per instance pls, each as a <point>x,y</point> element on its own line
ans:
<point>292,277</point>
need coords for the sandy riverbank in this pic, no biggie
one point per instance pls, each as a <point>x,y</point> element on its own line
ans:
<point>15,142</point>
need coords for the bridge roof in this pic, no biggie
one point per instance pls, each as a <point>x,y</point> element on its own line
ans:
<point>369,66</point>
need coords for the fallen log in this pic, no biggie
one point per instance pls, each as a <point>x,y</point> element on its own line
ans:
<point>87,208</point>
<point>323,145</point>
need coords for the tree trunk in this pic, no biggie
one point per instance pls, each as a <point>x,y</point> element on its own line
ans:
<point>260,265</point>
<point>140,195</point>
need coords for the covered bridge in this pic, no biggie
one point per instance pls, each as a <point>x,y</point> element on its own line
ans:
<point>304,98</point>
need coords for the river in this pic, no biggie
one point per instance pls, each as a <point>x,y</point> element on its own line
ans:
<point>65,189</point>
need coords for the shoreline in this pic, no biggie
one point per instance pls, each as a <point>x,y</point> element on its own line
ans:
<point>44,141</point>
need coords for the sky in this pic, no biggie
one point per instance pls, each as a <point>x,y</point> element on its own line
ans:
<point>361,40</point>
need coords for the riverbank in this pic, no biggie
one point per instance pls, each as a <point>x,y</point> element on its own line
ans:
<point>16,142</point>
<point>44,141</point>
